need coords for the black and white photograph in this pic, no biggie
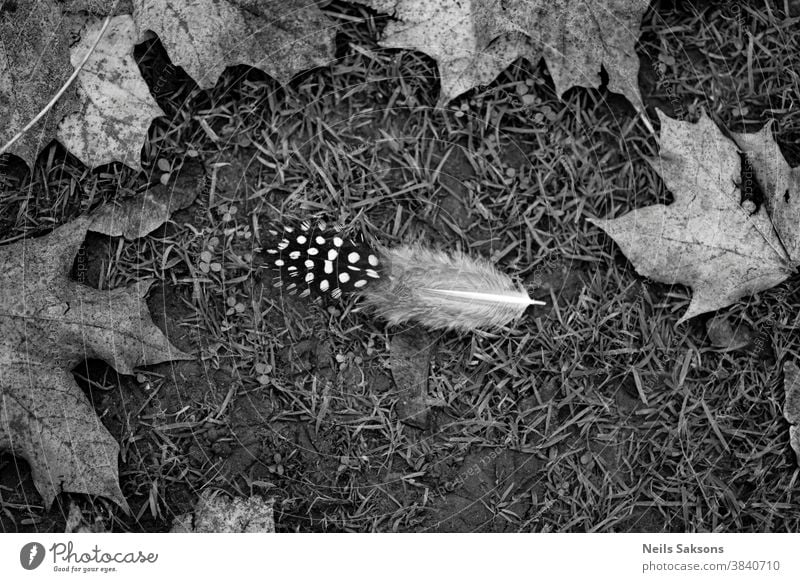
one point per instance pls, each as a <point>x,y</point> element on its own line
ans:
<point>457,267</point>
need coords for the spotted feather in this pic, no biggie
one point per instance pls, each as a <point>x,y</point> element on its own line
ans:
<point>321,261</point>
<point>440,290</point>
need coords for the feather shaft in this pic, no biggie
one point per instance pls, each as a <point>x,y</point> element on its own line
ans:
<point>515,298</point>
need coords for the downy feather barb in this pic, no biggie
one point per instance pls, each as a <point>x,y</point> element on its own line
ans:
<point>444,291</point>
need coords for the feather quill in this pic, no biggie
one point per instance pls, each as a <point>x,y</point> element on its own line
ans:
<point>406,284</point>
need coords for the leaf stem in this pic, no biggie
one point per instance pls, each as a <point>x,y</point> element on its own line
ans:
<point>646,122</point>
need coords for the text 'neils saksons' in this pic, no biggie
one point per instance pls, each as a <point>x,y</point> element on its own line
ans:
<point>681,549</point>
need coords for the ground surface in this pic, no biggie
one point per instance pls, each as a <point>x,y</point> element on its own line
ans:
<point>594,413</point>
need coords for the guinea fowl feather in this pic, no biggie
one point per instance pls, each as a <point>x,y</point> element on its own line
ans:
<point>406,284</point>
<point>444,291</point>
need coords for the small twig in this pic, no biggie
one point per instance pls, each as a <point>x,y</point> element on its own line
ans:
<point>61,91</point>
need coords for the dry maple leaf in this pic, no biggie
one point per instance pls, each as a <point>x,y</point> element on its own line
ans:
<point>780,183</point>
<point>281,37</point>
<point>473,41</point>
<point>49,324</point>
<point>215,513</point>
<point>704,239</point>
<point>410,354</point>
<point>791,406</point>
<point>104,116</point>
<point>135,217</point>
<point>116,105</point>
<point>34,64</point>
<point>578,37</point>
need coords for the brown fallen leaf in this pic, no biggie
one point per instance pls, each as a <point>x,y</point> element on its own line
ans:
<point>25,89</point>
<point>723,334</point>
<point>780,183</point>
<point>215,513</point>
<point>280,37</point>
<point>98,7</point>
<point>705,239</point>
<point>78,523</point>
<point>578,37</point>
<point>116,107</point>
<point>137,217</point>
<point>410,353</point>
<point>48,324</point>
<point>791,407</point>
<point>473,41</point>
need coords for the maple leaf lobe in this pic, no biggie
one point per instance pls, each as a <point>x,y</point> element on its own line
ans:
<point>280,37</point>
<point>25,90</point>
<point>472,41</point>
